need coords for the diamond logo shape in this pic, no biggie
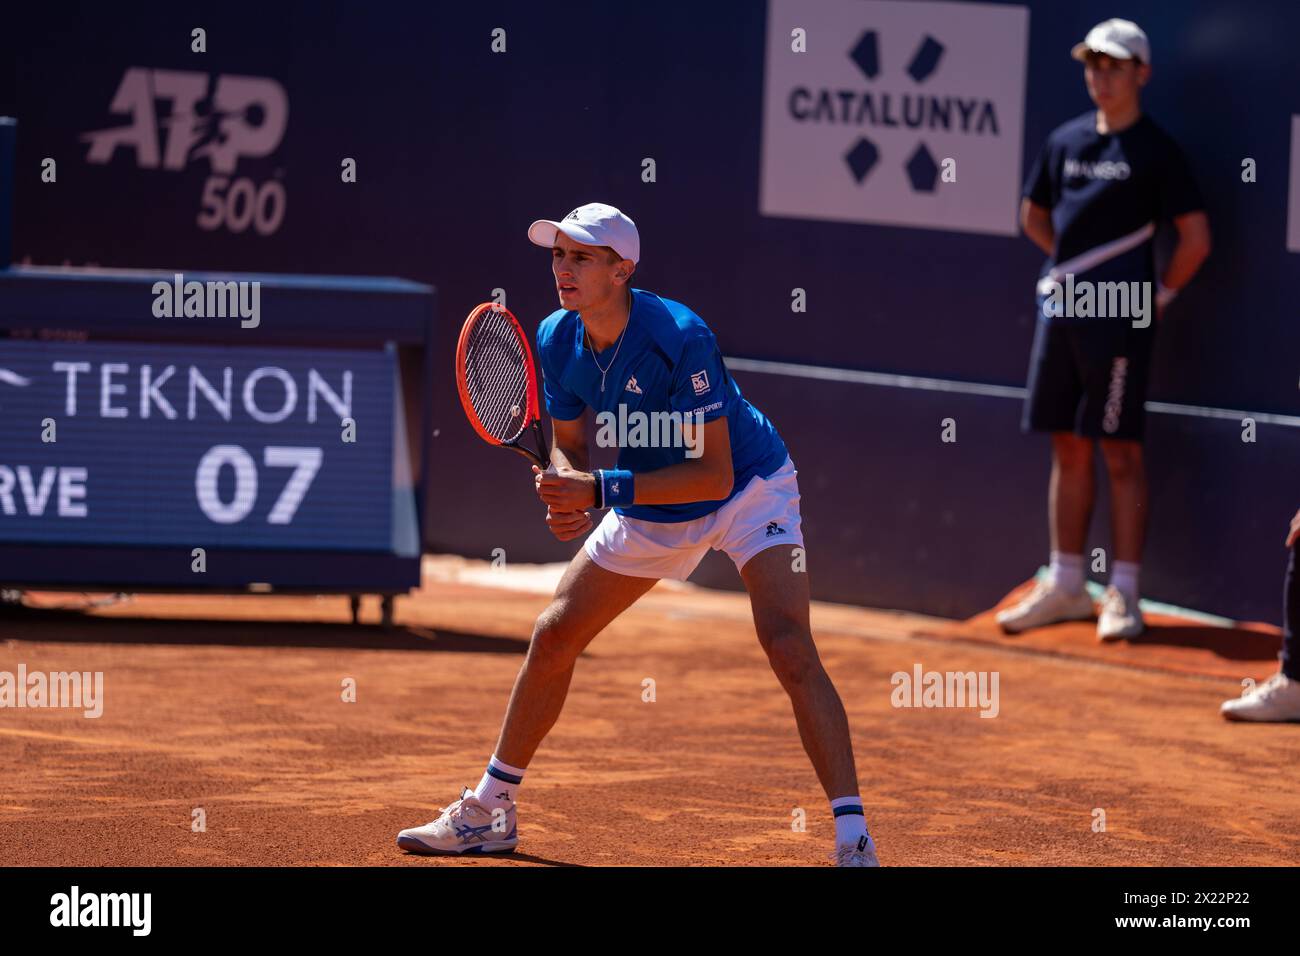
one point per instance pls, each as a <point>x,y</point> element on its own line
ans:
<point>866,54</point>
<point>926,59</point>
<point>861,158</point>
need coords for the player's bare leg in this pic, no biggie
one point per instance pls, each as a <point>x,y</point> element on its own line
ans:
<point>587,599</point>
<point>483,820</point>
<point>1120,614</point>
<point>1128,497</point>
<point>1071,492</point>
<point>779,598</point>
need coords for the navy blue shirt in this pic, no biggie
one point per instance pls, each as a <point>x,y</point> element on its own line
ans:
<point>1102,187</point>
<point>668,361</point>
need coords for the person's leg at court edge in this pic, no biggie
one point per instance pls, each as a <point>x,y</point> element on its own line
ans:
<point>1071,493</point>
<point>1278,698</point>
<point>779,597</point>
<point>1126,470</point>
<point>587,599</point>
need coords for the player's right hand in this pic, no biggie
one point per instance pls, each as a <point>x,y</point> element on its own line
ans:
<point>1295,530</point>
<point>567,525</point>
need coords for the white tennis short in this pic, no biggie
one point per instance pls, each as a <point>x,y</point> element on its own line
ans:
<point>763,515</point>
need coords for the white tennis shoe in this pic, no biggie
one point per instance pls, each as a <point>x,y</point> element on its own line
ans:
<point>862,853</point>
<point>1117,619</point>
<point>1045,604</point>
<point>1277,699</point>
<point>464,827</point>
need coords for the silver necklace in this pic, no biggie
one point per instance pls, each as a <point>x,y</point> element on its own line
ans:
<point>591,345</point>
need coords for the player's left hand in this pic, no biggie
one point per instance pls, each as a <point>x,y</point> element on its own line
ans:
<point>1295,530</point>
<point>565,489</point>
<point>568,525</point>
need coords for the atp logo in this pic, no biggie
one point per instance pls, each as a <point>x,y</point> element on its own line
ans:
<point>218,119</point>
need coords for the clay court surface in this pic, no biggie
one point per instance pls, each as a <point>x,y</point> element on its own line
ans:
<point>233,705</point>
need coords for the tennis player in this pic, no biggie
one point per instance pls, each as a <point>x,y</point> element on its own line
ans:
<point>728,484</point>
<point>1278,698</point>
<point>1094,197</point>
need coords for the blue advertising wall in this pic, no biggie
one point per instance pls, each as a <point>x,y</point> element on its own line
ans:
<point>457,148</point>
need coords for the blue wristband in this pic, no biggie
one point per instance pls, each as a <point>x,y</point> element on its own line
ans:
<point>616,487</point>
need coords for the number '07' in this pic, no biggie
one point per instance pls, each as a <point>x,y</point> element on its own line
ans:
<point>305,462</point>
<point>262,206</point>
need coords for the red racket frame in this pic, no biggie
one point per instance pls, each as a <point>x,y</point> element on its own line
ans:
<point>532,414</point>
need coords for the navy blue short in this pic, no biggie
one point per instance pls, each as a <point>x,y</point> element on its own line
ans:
<point>1089,379</point>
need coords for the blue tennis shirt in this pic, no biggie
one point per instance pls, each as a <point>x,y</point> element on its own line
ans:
<point>668,362</point>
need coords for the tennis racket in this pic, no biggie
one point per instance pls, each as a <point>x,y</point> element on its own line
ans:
<point>498,382</point>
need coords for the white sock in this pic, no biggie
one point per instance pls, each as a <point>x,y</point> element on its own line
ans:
<point>500,785</point>
<point>1124,578</point>
<point>1066,571</point>
<point>850,824</point>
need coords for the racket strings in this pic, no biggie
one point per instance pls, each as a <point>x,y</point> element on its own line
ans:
<point>496,375</point>
<point>503,374</point>
<point>497,396</point>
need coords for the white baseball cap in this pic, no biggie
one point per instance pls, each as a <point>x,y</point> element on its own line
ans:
<point>1122,39</point>
<point>594,224</point>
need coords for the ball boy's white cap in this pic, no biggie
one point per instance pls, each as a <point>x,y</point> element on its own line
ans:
<point>594,224</point>
<point>1122,39</point>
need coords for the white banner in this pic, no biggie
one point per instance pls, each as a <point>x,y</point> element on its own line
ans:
<point>903,113</point>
